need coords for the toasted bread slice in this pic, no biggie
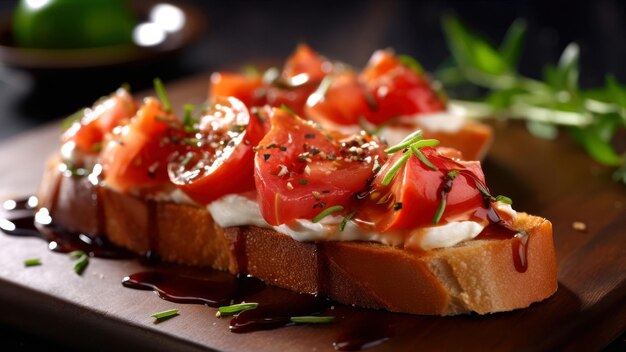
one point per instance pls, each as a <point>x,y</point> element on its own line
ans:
<point>474,276</point>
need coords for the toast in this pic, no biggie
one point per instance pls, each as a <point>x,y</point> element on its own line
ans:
<point>474,276</point>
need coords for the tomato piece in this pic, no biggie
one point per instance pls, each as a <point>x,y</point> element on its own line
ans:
<point>396,90</point>
<point>137,157</point>
<point>306,60</point>
<point>300,170</point>
<point>412,198</point>
<point>302,74</point>
<point>343,103</point>
<point>99,120</point>
<point>247,88</point>
<point>221,161</point>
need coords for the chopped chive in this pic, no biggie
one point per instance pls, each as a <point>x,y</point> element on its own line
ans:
<point>160,91</point>
<point>287,109</point>
<point>418,153</point>
<point>234,309</point>
<point>303,181</point>
<point>324,213</point>
<point>447,186</point>
<point>76,254</point>
<point>189,121</point>
<point>312,319</point>
<point>166,314</point>
<point>345,220</point>
<point>83,261</point>
<point>407,141</point>
<point>32,262</point>
<point>439,212</point>
<point>504,199</point>
<point>395,168</point>
<point>426,143</point>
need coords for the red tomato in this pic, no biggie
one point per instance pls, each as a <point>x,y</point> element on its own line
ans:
<point>221,161</point>
<point>343,103</point>
<point>100,120</point>
<point>300,170</point>
<point>396,90</point>
<point>306,60</point>
<point>137,158</point>
<point>247,88</point>
<point>302,74</point>
<point>412,198</point>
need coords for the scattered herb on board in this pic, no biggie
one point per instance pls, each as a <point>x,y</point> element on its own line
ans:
<point>32,262</point>
<point>313,319</point>
<point>83,261</point>
<point>592,117</point>
<point>166,314</point>
<point>233,309</point>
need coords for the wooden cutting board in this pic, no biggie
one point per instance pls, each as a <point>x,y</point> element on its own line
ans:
<point>553,179</point>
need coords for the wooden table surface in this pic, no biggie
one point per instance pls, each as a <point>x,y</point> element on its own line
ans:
<point>553,179</point>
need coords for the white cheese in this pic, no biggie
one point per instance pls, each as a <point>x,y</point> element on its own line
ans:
<point>240,210</point>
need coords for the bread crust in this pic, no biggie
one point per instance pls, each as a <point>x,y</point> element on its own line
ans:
<point>474,276</point>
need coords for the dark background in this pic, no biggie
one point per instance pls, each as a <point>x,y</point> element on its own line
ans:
<point>249,31</point>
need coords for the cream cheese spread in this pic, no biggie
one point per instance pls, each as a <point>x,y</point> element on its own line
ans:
<point>242,210</point>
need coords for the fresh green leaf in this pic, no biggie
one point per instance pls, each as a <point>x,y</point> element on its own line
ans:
<point>470,50</point>
<point>513,42</point>
<point>542,130</point>
<point>598,148</point>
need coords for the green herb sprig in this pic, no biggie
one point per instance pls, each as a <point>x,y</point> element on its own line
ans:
<point>411,144</point>
<point>591,116</point>
<point>159,88</point>
<point>324,213</point>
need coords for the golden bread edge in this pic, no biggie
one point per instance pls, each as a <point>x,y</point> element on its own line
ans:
<point>475,276</point>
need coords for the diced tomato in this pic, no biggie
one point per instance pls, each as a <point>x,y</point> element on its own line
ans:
<point>137,158</point>
<point>300,170</point>
<point>414,195</point>
<point>343,103</point>
<point>99,120</point>
<point>247,88</point>
<point>221,160</point>
<point>396,90</point>
<point>306,60</point>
